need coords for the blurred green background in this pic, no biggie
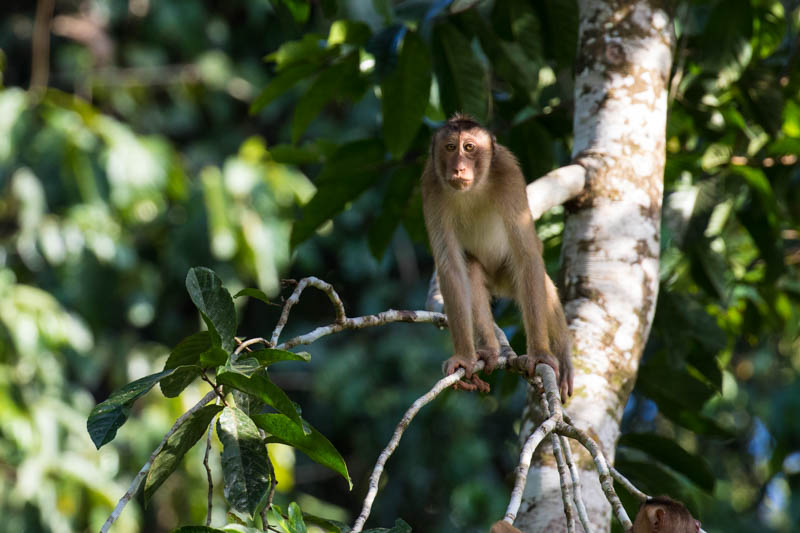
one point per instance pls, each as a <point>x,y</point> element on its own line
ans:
<point>142,159</point>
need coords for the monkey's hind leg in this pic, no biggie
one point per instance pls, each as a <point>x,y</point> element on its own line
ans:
<point>488,347</point>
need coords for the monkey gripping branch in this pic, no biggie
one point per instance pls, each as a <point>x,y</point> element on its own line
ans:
<point>240,388</point>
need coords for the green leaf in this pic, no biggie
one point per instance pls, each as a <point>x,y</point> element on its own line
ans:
<point>725,43</point>
<point>660,377</point>
<point>273,355</point>
<point>350,171</point>
<point>214,303</point>
<point>532,143</point>
<point>260,386</point>
<point>561,28</point>
<point>405,95</point>
<point>108,416</point>
<point>314,444</point>
<point>463,78</point>
<point>179,443</point>
<point>671,454</point>
<point>348,32</point>
<point>197,529</point>
<point>253,293</point>
<point>341,79</point>
<point>215,356</point>
<point>285,80</point>
<point>244,462</point>
<point>326,525</point>
<point>300,9</point>
<point>395,204</point>
<point>289,154</point>
<point>188,351</point>
<point>310,50</point>
<point>296,521</point>
<point>182,377</point>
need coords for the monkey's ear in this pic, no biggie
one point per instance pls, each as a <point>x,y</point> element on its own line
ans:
<point>697,526</point>
<point>655,515</point>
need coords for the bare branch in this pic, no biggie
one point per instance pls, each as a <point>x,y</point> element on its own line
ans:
<point>326,287</point>
<point>606,482</point>
<point>366,321</point>
<point>137,480</point>
<point>555,188</point>
<point>387,452</point>
<point>208,473</point>
<point>622,480</point>
<point>563,473</point>
<point>525,464</point>
<point>577,495</point>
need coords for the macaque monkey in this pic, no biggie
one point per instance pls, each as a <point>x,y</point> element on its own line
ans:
<point>503,527</point>
<point>664,515</point>
<point>484,243</point>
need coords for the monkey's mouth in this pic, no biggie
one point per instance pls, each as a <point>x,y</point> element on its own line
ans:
<point>459,182</point>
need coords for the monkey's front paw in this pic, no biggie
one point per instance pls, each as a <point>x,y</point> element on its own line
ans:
<point>527,365</point>
<point>489,357</point>
<point>470,381</point>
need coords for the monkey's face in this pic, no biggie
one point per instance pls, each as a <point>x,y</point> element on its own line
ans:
<point>463,158</point>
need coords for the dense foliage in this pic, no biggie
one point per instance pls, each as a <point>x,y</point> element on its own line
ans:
<point>177,134</point>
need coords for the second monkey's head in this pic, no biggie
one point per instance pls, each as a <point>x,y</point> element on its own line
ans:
<point>462,152</point>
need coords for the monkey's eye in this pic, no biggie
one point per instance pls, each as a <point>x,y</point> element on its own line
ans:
<point>450,147</point>
<point>469,147</point>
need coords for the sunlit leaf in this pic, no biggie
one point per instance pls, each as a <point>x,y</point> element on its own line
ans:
<point>348,32</point>
<point>260,386</point>
<point>296,521</point>
<point>178,444</point>
<point>272,355</point>
<point>314,444</point>
<point>197,529</point>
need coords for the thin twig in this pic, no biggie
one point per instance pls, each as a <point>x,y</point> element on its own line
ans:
<point>524,465</point>
<point>630,487</point>
<point>409,415</point>
<point>577,495</point>
<point>248,343</point>
<point>606,482</point>
<point>564,478</point>
<point>208,472</point>
<point>327,288</point>
<point>366,321</point>
<point>137,480</point>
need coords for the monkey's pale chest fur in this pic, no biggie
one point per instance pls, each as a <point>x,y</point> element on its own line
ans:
<point>490,245</point>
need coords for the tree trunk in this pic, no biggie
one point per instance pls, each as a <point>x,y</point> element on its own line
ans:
<point>611,236</point>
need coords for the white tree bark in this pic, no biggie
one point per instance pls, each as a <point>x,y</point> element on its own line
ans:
<point>611,237</point>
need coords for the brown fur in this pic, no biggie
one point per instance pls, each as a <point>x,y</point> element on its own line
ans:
<point>484,243</point>
<point>503,527</point>
<point>664,515</point>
